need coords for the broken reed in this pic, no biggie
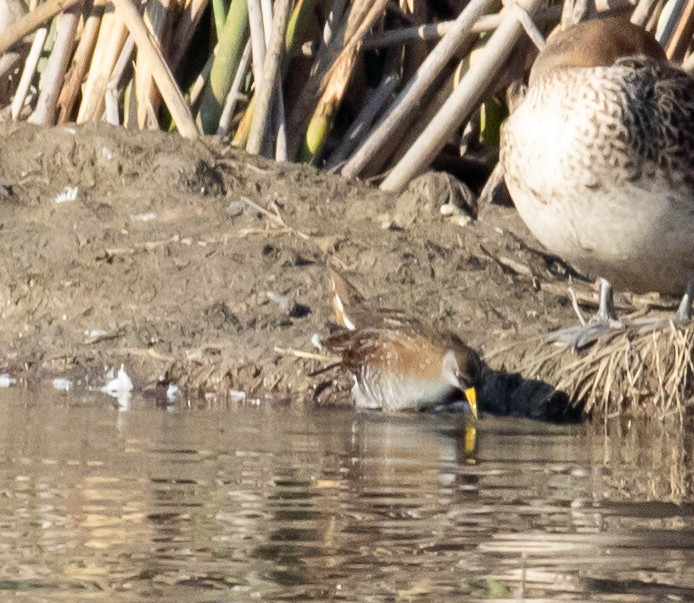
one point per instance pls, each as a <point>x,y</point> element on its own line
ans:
<point>242,67</point>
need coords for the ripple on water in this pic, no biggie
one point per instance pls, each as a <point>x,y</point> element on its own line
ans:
<point>262,503</point>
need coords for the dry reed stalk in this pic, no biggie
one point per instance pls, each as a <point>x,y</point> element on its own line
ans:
<point>377,99</point>
<point>333,60</point>
<point>484,128</point>
<point>336,82</point>
<point>295,27</point>
<point>682,33</point>
<point>184,31</point>
<point>266,11</point>
<point>393,61</point>
<point>124,61</point>
<point>462,102</point>
<point>32,21</point>
<point>303,11</point>
<point>280,127</point>
<point>275,217</point>
<point>425,33</point>
<point>243,130</point>
<point>322,119</point>
<point>170,92</point>
<point>431,32</point>
<point>255,22</point>
<point>405,137</point>
<point>203,78</point>
<point>111,112</point>
<point>407,104</point>
<point>414,54</point>
<point>298,21</point>
<point>80,61</point>
<point>234,92</point>
<point>269,81</point>
<point>528,24</point>
<point>573,12</point>
<point>28,73</point>
<point>147,98</point>
<point>54,75</point>
<point>241,135</point>
<point>642,12</point>
<point>11,11</point>
<point>112,88</point>
<point>306,355</point>
<point>652,22</point>
<point>112,35</point>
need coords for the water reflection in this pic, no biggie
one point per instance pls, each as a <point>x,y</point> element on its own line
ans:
<point>266,503</point>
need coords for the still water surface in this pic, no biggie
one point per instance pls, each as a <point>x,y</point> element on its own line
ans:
<point>267,503</point>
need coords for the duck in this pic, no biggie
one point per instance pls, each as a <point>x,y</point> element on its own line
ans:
<point>397,360</point>
<point>599,161</point>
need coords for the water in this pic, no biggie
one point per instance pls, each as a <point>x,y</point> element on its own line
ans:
<point>240,503</point>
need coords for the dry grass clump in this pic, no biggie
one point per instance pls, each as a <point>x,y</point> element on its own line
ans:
<point>632,374</point>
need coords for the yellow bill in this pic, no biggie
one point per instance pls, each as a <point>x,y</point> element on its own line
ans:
<point>471,395</point>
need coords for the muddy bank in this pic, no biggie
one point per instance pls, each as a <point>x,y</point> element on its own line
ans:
<point>159,264</point>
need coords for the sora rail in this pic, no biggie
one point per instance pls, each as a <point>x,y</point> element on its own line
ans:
<point>398,361</point>
<point>599,161</point>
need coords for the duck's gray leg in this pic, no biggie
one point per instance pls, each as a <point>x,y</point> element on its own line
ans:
<point>684,312</point>
<point>682,316</point>
<point>603,322</point>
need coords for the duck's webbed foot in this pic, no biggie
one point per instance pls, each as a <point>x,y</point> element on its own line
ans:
<point>605,321</point>
<point>581,336</point>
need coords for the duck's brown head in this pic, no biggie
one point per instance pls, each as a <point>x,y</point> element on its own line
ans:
<point>595,43</point>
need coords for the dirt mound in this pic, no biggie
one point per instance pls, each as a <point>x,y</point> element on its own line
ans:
<point>195,262</point>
